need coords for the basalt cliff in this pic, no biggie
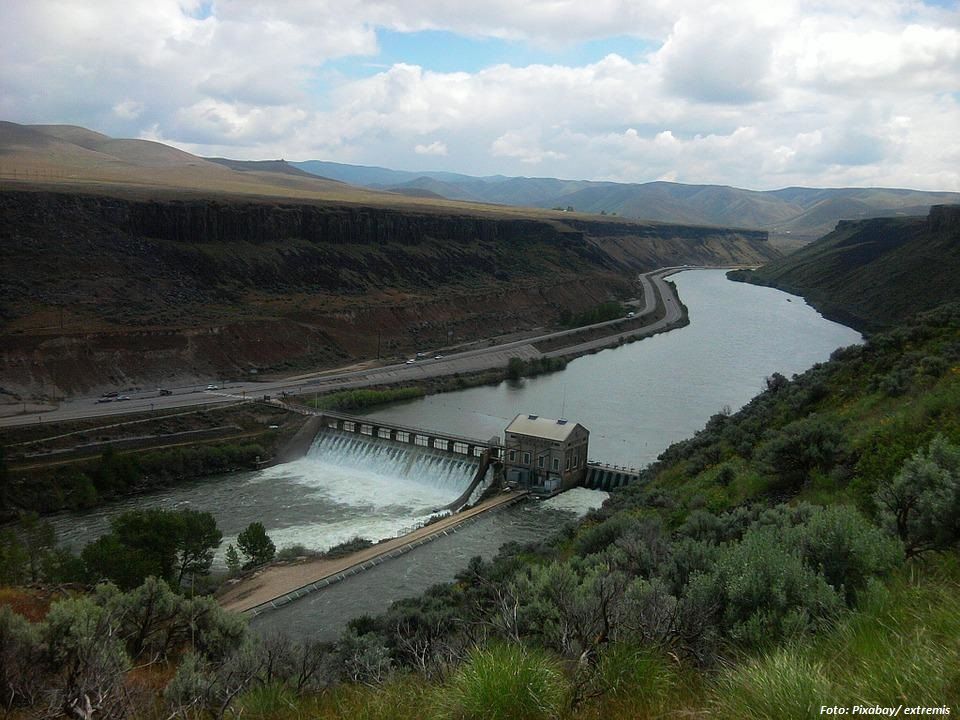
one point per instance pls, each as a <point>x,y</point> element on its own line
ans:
<point>105,289</point>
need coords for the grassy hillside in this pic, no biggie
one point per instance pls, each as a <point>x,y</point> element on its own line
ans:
<point>874,273</point>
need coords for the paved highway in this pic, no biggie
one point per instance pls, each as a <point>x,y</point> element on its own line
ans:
<point>497,356</point>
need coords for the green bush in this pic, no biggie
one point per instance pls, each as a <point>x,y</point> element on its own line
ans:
<point>845,548</point>
<point>764,592</point>
<point>507,682</point>
<point>799,448</point>
<point>921,503</point>
<point>348,400</point>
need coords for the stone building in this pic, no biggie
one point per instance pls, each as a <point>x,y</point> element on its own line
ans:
<point>544,455</point>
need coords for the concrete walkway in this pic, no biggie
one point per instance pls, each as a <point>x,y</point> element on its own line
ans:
<point>276,582</point>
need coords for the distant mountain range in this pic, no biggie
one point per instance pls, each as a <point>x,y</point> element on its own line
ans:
<point>82,158</point>
<point>801,213</point>
<point>874,273</point>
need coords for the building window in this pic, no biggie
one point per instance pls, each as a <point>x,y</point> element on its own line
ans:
<point>540,461</point>
<point>556,464</point>
<point>513,456</point>
<point>576,460</point>
<point>526,458</point>
<point>567,463</point>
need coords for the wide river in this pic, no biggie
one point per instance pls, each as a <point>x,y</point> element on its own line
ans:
<point>639,398</point>
<point>635,400</point>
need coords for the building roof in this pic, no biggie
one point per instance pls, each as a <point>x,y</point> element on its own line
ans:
<point>542,427</point>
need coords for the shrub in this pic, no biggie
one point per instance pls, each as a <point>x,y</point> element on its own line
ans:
<point>507,682</point>
<point>763,591</point>
<point>921,503</point>
<point>800,448</point>
<point>844,547</point>
<point>20,657</point>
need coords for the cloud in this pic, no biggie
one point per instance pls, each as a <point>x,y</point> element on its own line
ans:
<point>746,92</point>
<point>128,109</point>
<point>524,145</point>
<point>435,148</point>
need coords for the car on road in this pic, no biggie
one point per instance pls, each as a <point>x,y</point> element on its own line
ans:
<point>104,399</point>
<point>164,391</point>
<point>438,357</point>
<point>110,394</point>
<point>213,387</point>
<point>411,361</point>
<point>123,397</point>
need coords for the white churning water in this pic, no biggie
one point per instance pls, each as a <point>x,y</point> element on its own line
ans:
<point>407,462</point>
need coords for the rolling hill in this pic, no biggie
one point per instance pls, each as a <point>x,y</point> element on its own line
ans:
<point>792,215</point>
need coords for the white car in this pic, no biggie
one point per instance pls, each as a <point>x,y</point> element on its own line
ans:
<point>212,387</point>
<point>411,361</point>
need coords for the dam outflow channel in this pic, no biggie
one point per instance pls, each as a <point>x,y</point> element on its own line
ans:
<point>635,399</point>
<point>347,486</point>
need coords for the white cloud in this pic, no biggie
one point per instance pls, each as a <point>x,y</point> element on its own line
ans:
<point>524,145</point>
<point>128,109</point>
<point>435,148</point>
<point>747,92</point>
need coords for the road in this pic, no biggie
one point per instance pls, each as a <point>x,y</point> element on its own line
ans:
<point>497,356</point>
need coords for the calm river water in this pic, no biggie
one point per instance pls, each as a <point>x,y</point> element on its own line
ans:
<point>635,400</point>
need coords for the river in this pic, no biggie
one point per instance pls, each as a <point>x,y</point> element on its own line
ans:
<point>636,400</point>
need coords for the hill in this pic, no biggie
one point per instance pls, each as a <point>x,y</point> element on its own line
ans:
<point>792,216</point>
<point>874,273</point>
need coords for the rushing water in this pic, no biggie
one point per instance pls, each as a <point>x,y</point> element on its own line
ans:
<point>635,400</point>
<point>639,398</point>
<point>323,615</point>
<point>346,486</point>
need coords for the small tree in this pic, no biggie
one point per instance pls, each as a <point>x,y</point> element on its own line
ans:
<point>39,539</point>
<point>233,560</point>
<point>256,545</point>
<point>199,537</point>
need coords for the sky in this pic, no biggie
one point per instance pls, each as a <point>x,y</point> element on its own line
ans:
<point>758,94</point>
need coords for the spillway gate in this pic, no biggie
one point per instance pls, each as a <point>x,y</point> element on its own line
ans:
<point>417,437</point>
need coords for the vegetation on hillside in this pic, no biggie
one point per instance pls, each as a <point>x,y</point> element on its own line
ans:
<point>800,552</point>
<point>874,273</point>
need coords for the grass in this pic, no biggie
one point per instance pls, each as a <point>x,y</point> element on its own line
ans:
<point>507,682</point>
<point>900,648</point>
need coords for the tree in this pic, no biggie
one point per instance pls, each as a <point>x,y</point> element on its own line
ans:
<point>162,543</point>
<point>233,560</point>
<point>199,537</point>
<point>4,480</point>
<point>13,559</point>
<point>921,503</point>
<point>256,545</point>
<point>39,539</point>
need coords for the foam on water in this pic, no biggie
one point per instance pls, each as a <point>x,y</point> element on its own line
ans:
<point>577,500</point>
